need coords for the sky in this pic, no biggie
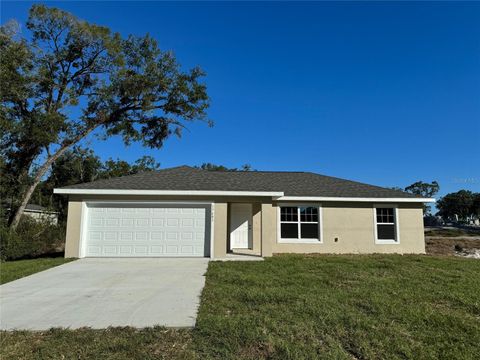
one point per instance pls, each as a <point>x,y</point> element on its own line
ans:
<point>382,93</point>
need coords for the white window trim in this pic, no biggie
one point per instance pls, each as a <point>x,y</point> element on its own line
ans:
<point>319,240</point>
<point>378,241</point>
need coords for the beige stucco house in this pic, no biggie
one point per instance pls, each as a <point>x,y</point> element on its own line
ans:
<point>184,212</point>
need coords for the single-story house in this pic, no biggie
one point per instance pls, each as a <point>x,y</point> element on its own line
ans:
<point>40,213</point>
<point>36,212</point>
<point>185,211</point>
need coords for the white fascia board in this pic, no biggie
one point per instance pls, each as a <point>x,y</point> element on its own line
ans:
<point>166,192</point>
<point>355,199</point>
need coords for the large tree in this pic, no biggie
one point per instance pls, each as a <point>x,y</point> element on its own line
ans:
<point>460,203</point>
<point>476,205</point>
<point>72,79</point>
<point>114,168</point>
<point>82,165</point>
<point>426,190</point>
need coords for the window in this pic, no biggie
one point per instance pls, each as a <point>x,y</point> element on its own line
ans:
<point>386,224</point>
<point>300,223</point>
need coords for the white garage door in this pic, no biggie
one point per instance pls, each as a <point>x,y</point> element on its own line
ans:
<point>147,231</point>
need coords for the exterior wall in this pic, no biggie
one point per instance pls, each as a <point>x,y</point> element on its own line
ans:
<point>74,219</point>
<point>269,228</point>
<point>42,216</point>
<point>352,224</point>
<point>257,228</point>
<point>220,227</point>
<point>349,228</point>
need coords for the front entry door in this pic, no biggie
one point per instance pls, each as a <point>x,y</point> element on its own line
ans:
<point>240,226</point>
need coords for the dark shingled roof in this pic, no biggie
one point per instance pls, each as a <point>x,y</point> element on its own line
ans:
<point>291,183</point>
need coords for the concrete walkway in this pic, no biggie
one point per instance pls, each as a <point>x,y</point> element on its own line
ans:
<point>106,292</point>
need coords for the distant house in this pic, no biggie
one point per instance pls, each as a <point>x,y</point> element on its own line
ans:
<point>40,213</point>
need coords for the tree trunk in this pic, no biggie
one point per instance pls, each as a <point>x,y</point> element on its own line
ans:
<point>38,177</point>
<point>28,195</point>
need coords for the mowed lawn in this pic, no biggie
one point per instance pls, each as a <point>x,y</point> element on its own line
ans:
<point>302,307</point>
<point>13,270</point>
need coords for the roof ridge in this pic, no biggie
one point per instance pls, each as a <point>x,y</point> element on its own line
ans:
<point>164,169</point>
<point>366,184</point>
<point>251,171</point>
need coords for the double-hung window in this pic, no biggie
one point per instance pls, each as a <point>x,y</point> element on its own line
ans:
<point>386,225</point>
<point>300,223</point>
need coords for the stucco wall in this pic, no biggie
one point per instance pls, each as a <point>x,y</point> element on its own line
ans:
<point>352,224</point>
<point>72,239</point>
<point>220,230</point>
<point>348,228</point>
<point>257,228</point>
<point>269,228</point>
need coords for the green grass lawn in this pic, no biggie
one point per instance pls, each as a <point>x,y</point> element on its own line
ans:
<point>12,270</point>
<point>301,307</point>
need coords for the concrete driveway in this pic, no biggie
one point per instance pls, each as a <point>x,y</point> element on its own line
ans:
<point>106,292</point>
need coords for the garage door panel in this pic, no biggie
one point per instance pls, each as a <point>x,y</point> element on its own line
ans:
<point>94,250</point>
<point>187,249</point>
<point>110,236</point>
<point>126,236</point>
<point>157,235</point>
<point>156,250</point>
<point>132,230</point>
<point>128,222</point>
<point>158,222</point>
<point>126,250</point>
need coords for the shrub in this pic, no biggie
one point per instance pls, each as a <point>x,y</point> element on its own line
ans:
<point>430,220</point>
<point>31,239</point>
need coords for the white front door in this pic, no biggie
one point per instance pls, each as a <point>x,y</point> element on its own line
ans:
<point>240,226</point>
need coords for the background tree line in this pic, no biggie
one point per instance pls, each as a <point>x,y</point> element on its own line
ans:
<point>462,206</point>
<point>80,165</point>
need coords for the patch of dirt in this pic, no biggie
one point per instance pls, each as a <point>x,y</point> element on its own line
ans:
<point>461,246</point>
<point>450,231</point>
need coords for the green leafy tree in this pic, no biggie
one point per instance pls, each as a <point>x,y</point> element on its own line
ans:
<point>460,203</point>
<point>114,168</point>
<point>75,166</point>
<point>72,79</point>
<point>423,189</point>
<point>14,63</point>
<point>213,167</point>
<point>82,165</point>
<point>426,190</point>
<point>476,205</point>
